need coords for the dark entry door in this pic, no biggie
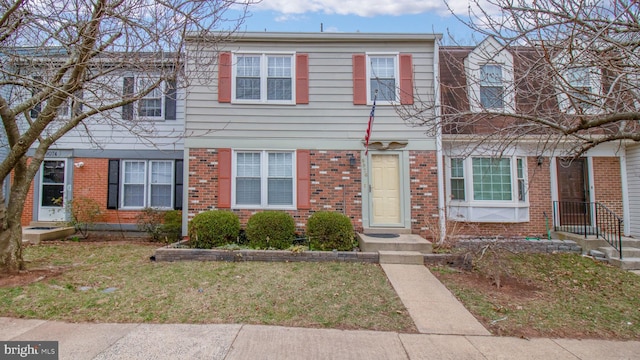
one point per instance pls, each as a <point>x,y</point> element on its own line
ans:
<point>573,193</point>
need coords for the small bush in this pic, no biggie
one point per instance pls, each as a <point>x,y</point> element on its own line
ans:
<point>271,229</point>
<point>162,226</point>
<point>85,213</point>
<point>329,231</point>
<point>213,228</point>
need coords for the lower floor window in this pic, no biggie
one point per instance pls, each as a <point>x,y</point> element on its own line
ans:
<point>487,179</point>
<point>264,178</point>
<point>147,183</point>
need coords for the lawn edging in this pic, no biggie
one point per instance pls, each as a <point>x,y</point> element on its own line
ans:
<point>174,252</point>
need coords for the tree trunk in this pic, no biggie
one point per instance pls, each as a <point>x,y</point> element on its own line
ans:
<point>10,218</point>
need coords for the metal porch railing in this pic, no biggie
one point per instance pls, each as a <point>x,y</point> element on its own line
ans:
<point>588,218</point>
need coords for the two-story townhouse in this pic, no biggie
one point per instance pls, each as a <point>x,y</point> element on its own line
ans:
<point>506,185</point>
<point>278,122</point>
<point>124,160</point>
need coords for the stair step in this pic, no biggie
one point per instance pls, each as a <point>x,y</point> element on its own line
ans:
<point>626,252</point>
<point>401,242</point>
<point>632,263</point>
<point>401,257</point>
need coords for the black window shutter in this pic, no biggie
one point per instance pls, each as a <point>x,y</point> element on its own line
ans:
<point>76,103</point>
<point>114,184</point>
<point>127,93</point>
<point>178,186</point>
<point>170,100</point>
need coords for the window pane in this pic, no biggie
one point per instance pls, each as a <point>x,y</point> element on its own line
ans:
<point>280,191</point>
<point>457,168</point>
<point>248,66</point>
<point>457,189</point>
<point>151,104</point>
<point>383,67</point>
<point>248,191</point>
<point>247,88</point>
<point>279,89</point>
<point>280,165</point>
<point>491,179</point>
<point>491,97</point>
<point>248,164</point>
<point>382,77</point>
<point>161,172</point>
<point>134,172</point>
<point>490,75</point>
<point>279,66</point>
<point>386,89</point>
<point>161,195</point>
<point>133,195</point>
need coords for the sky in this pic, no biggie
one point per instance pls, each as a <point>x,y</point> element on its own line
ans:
<point>391,16</point>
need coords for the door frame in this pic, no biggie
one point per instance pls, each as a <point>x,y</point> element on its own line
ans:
<point>367,208</point>
<point>555,189</point>
<point>41,211</point>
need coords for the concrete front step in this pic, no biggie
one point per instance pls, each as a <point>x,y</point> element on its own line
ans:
<point>593,243</point>
<point>400,242</point>
<point>627,252</point>
<point>36,234</point>
<point>632,263</point>
<point>401,257</point>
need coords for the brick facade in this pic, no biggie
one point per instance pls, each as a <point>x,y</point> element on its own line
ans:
<point>335,186</point>
<point>607,183</point>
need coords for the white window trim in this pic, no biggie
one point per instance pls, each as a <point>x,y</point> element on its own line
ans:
<point>147,184</point>
<point>263,180</point>
<point>564,87</point>
<point>263,78</point>
<point>466,206</point>
<point>396,64</point>
<point>490,52</point>
<point>136,105</point>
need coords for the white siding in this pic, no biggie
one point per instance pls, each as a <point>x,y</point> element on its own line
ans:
<point>633,178</point>
<point>329,121</point>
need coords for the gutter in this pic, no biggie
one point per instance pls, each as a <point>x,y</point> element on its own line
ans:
<point>439,161</point>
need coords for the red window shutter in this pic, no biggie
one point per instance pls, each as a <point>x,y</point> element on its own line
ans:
<point>303,166</point>
<point>224,178</point>
<point>406,79</point>
<point>359,79</point>
<point>302,78</point>
<point>224,77</point>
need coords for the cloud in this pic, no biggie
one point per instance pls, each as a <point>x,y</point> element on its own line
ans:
<point>359,7</point>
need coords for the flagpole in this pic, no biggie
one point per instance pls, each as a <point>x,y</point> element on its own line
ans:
<point>367,135</point>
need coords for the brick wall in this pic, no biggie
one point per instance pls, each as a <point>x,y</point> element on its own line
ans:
<point>608,183</point>
<point>539,195</point>
<point>335,186</point>
<point>424,193</point>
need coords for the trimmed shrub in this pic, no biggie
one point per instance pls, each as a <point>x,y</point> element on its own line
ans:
<point>329,231</point>
<point>160,225</point>
<point>172,226</point>
<point>213,228</point>
<point>271,229</point>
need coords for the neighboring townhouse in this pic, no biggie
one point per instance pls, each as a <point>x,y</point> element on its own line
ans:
<point>278,122</point>
<point>633,196</point>
<point>124,160</point>
<point>511,188</point>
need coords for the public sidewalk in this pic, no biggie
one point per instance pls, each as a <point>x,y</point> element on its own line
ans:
<point>151,341</point>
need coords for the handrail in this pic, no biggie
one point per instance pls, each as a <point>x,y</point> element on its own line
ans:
<point>576,217</point>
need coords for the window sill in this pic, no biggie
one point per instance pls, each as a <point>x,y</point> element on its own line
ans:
<point>489,212</point>
<point>258,102</point>
<point>258,207</point>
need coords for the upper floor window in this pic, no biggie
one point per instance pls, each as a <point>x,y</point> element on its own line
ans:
<point>383,77</point>
<point>264,78</point>
<point>158,104</point>
<point>264,179</point>
<point>580,90</point>
<point>491,87</point>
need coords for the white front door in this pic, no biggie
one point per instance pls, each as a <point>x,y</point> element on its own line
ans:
<point>385,190</point>
<point>51,206</point>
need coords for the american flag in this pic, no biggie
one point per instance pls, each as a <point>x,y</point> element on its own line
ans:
<point>367,136</point>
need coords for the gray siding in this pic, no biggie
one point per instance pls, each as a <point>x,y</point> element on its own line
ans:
<point>329,121</point>
<point>633,178</point>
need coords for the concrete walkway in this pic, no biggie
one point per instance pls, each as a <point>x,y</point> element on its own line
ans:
<point>230,342</point>
<point>431,305</point>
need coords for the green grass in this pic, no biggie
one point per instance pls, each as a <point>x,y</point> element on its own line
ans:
<point>560,295</point>
<point>335,295</point>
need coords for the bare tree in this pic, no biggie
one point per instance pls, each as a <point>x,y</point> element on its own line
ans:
<point>62,68</point>
<point>573,84</point>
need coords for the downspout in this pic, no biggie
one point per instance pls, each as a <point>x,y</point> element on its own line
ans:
<point>439,161</point>
<point>624,183</point>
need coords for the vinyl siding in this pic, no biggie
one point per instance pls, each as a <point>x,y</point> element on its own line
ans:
<point>633,178</point>
<point>329,120</point>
